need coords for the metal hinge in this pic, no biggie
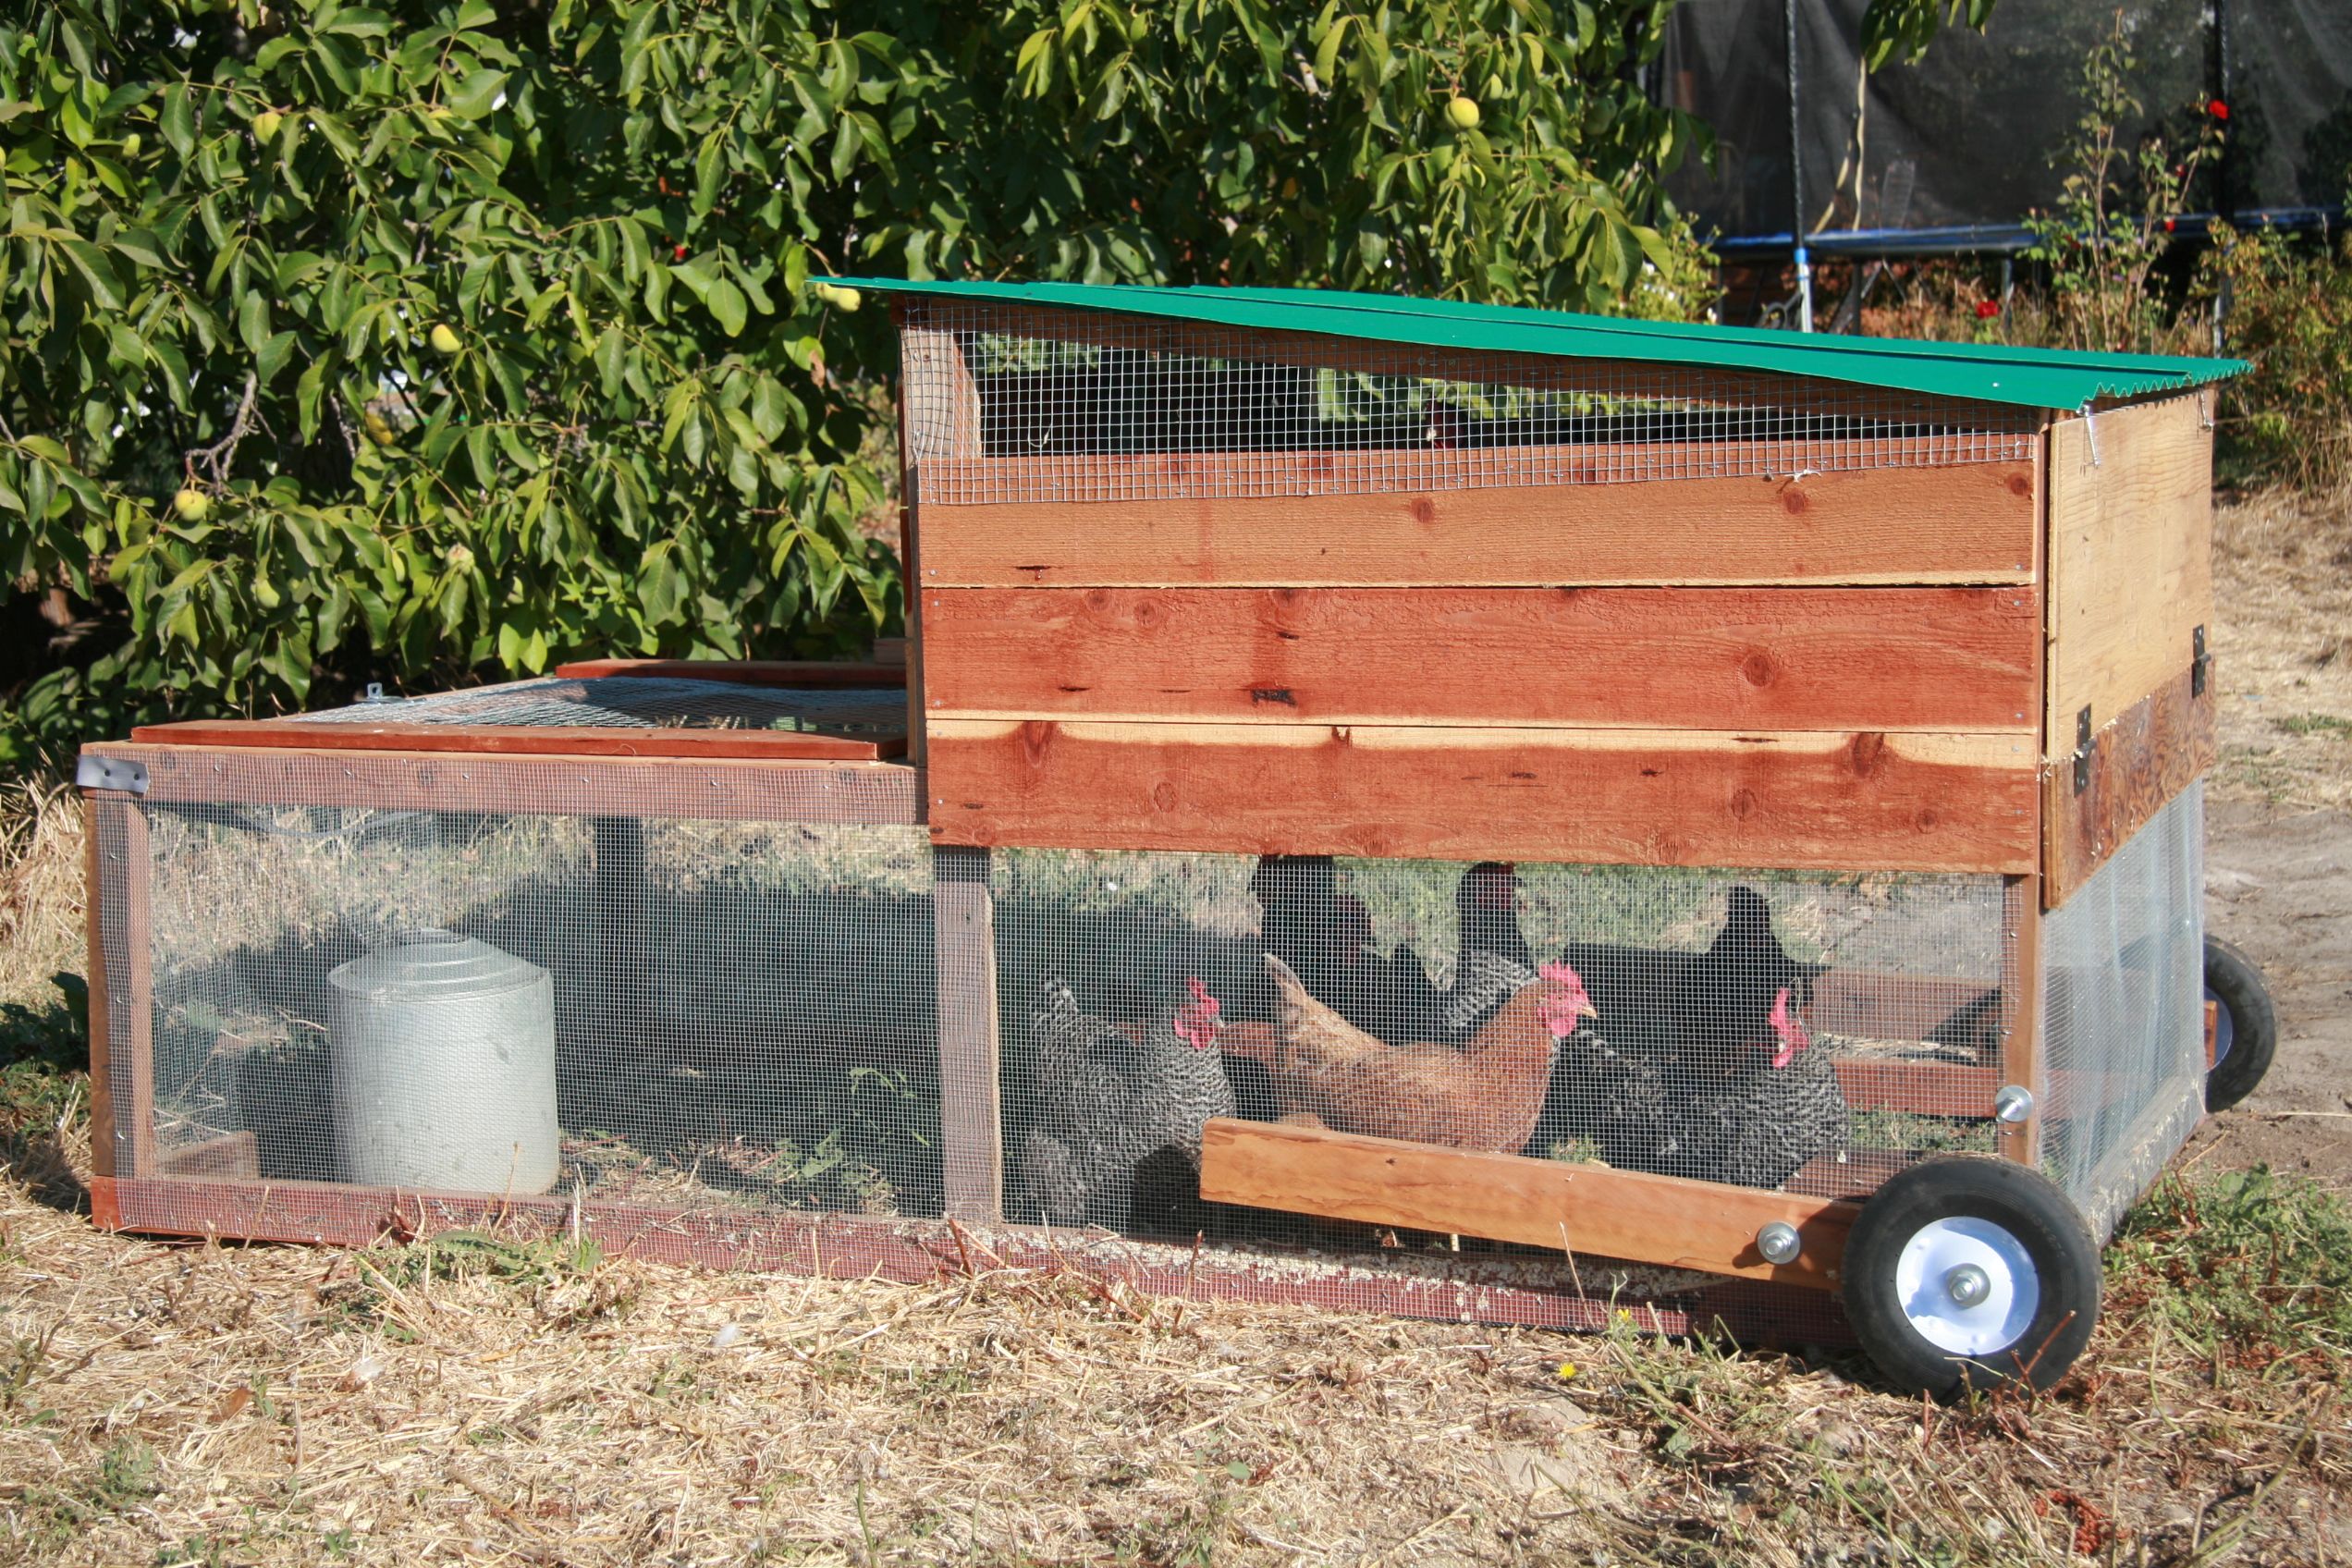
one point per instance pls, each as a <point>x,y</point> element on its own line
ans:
<point>2082,750</point>
<point>111,773</point>
<point>2201,663</point>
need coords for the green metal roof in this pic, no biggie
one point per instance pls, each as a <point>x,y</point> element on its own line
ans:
<point>2038,378</point>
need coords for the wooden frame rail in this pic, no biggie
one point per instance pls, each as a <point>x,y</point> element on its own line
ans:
<point>1581,1210</point>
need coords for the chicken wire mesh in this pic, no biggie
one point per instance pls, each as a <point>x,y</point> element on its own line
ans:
<point>636,702</point>
<point>1763,1029</point>
<point>678,1013</point>
<point>2122,1015</point>
<point>1006,403</point>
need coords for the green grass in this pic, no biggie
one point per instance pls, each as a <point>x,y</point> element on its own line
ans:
<point>2315,724</point>
<point>2249,1270</point>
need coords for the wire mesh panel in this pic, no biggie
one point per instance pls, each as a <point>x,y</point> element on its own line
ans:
<point>1761,1029</point>
<point>634,702</point>
<point>681,1012</point>
<point>1047,400</point>
<point>2122,1015</point>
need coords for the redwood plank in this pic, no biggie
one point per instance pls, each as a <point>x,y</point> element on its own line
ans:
<point>1968,524</point>
<point>814,675</point>
<point>882,794</point>
<point>1588,1210</point>
<point>98,896</point>
<point>1703,658</point>
<point>2150,752</point>
<point>1820,802</point>
<point>489,739</point>
<point>1918,1089</point>
<point>2131,566</point>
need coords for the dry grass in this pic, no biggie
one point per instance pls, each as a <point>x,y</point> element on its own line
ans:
<point>41,878</point>
<point>2283,653</point>
<point>474,1400</point>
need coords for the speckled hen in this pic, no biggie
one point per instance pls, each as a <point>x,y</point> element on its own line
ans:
<point>1115,1135</point>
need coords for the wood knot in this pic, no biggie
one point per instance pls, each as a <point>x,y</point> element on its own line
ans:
<point>1867,752</point>
<point>1795,502</point>
<point>2019,485</point>
<point>1424,510</point>
<point>1743,805</point>
<point>1148,613</point>
<point>1164,795</point>
<point>1760,667</point>
<point>1036,736</point>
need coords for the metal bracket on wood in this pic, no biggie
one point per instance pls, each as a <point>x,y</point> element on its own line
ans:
<point>2082,750</point>
<point>2090,429</point>
<point>2201,663</point>
<point>111,773</point>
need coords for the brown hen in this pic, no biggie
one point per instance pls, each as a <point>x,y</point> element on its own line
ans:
<point>1483,1094</point>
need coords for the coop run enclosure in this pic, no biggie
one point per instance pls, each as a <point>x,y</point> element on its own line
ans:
<point>1427,807</point>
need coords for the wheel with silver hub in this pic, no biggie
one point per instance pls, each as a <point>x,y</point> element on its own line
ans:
<point>1965,1272</point>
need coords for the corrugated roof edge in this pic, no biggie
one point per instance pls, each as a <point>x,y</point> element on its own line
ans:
<point>2038,378</point>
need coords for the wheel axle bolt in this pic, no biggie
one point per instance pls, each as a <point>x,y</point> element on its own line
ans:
<point>1779,1242</point>
<point>1966,1284</point>
<point>2014,1104</point>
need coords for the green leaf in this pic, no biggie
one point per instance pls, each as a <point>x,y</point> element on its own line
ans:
<point>726,304</point>
<point>473,97</point>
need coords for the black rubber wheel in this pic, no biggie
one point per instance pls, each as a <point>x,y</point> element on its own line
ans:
<point>1965,1272</point>
<point>2246,1033</point>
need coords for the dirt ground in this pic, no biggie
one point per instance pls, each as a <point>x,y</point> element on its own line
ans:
<point>2278,864</point>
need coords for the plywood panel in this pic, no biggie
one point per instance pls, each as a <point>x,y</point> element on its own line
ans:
<point>2131,574</point>
<point>1969,524</point>
<point>1820,800</point>
<point>2152,751</point>
<point>1581,1210</point>
<point>1712,658</point>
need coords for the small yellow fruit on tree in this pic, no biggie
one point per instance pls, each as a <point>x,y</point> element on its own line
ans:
<point>191,504</point>
<point>840,298</point>
<point>265,124</point>
<point>444,341</point>
<point>379,429</point>
<point>1463,112</point>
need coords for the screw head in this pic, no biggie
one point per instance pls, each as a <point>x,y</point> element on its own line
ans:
<point>1779,1242</point>
<point>1966,1284</point>
<point>2013,1105</point>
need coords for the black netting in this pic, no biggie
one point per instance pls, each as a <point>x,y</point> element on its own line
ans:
<point>1972,133</point>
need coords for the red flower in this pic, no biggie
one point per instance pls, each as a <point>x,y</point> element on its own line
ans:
<point>2218,109</point>
<point>678,254</point>
<point>2168,226</point>
<point>1988,309</point>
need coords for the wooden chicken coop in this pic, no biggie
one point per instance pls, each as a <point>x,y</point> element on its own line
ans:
<point>1447,809</point>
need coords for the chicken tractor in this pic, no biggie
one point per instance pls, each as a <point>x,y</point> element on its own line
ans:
<point>1382,802</point>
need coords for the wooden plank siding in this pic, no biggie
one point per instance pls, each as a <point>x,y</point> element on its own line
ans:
<point>1938,659</point>
<point>2150,752</point>
<point>1821,801</point>
<point>2131,570</point>
<point>1966,524</point>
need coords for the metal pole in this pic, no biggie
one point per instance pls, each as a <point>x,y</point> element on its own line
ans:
<point>1796,178</point>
